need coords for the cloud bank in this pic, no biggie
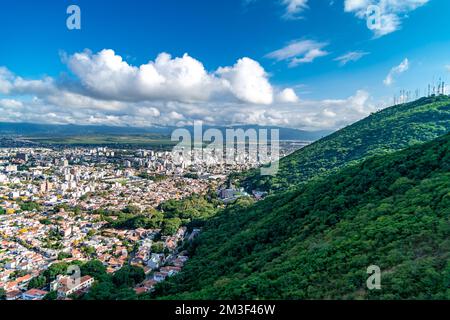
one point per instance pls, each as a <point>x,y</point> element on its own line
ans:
<point>103,89</point>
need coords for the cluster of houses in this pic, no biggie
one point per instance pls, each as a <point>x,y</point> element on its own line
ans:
<point>32,240</point>
<point>64,286</point>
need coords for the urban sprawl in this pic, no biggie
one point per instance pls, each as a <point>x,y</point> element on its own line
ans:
<point>52,202</point>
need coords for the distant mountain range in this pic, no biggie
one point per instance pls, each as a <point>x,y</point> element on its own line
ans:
<point>31,129</point>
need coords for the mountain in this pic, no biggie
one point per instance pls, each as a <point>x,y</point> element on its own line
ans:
<point>389,130</point>
<point>317,241</point>
<point>33,129</point>
<point>30,130</point>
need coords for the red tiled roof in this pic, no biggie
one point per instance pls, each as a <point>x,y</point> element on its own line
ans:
<point>140,290</point>
<point>36,292</point>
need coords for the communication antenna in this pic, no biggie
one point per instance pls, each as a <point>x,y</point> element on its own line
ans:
<point>434,86</point>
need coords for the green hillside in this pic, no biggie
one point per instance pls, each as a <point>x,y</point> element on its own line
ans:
<point>316,242</point>
<point>389,130</point>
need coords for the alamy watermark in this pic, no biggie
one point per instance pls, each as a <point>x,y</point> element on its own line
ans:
<point>236,147</point>
<point>374,17</point>
<point>73,22</point>
<point>73,276</point>
<point>374,280</point>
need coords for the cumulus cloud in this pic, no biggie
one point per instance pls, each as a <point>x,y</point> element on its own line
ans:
<point>10,83</point>
<point>106,90</point>
<point>107,75</point>
<point>313,115</point>
<point>298,52</point>
<point>391,12</point>
<point>185,79</point>
<point>288,95</point>
<point>5,80</point>
<point>351,56</point>
<point>402,67</point>
<point>248,81</point>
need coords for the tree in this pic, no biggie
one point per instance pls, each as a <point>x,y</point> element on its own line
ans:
<point>2,294</point>
<point>132,210</point>
<point>170,226</point>
<point>88,250</point>
<point>64,255</point>
<point>29,206</point>
<point>95,269</point>
<point>45,221</point>
<point>158,247</point>
<point>125,294</point>
<point>101,291</point>
<point>52,295</point>
<point>128,276</point>
<point>37,282</point>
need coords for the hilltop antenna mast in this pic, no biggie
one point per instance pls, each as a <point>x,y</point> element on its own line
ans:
<point>434,86</point>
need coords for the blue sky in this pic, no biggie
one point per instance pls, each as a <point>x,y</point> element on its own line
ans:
<point>294,62</point>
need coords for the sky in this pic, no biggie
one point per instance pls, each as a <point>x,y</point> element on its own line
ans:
<point>306,64</point>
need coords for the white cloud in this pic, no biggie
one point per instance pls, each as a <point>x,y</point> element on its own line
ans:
<point>10,104</point>
<point>294,7</point>
<point>298,52</point>
<point>107,75</point>
<point>173,91</point>
<point>356,5</point>
<point>402,67</point>
<point>248,81</point>
<point>288,95</point>
<point>184,79</point>
<point>350,56</point>
<point>5,80</point>
<point>391,12</point>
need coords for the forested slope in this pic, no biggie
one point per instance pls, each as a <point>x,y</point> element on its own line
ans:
<point>389,130</point>
<point>316,242</point>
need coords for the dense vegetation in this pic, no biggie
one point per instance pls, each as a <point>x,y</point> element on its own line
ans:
<point>389,130</point>
<point>317,241</point>
<point>192,211</point>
